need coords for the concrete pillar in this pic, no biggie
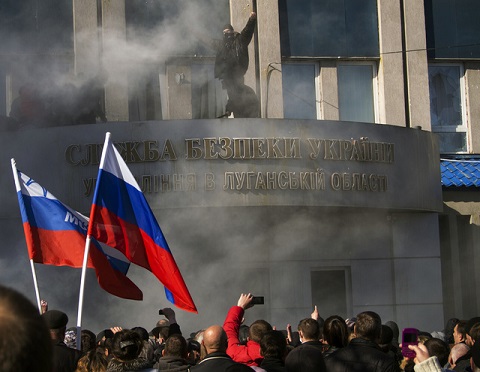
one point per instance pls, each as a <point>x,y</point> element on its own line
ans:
<point>390,72</point>
<point>270,59</point>
<point>114,40</point>
<point>417,64</point>
<point>472,73</point>
<point>85,42</point>
<point>329,90</point>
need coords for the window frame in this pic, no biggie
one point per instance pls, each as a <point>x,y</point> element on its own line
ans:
<point>375,97</point>
<point>317,83</point>
<point>463,103</point>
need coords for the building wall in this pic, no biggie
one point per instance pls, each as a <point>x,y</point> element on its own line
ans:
<point>231,233</point>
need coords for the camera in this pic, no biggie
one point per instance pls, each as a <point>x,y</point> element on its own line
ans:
<point>160,312</point>
<point>258,300</point>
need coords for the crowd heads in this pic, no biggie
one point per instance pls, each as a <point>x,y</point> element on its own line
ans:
<point>33,342</point>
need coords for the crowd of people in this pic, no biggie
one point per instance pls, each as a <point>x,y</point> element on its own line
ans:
<point>41,342</point>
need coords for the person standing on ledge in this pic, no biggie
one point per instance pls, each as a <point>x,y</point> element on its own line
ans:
<point>231,61</point>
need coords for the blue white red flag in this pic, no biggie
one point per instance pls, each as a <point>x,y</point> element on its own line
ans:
<point>121,218</point>
<point>56,234</point>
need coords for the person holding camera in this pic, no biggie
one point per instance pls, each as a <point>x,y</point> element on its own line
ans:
<point>248,354</point>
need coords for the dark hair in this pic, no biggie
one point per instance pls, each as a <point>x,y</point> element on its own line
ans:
<point>243,334</point>
<point>310,328</point>
<point>25,341</point>
<point>470,323</point>
<point>142,332</point>
<point>93,360</point>
<point>368,326</point>
<point>257,329</point>
<point>88,340</point>
<point>385,340</point>
<point>176,346</point>
<point>273,345</point>
<point>475,331</point>
<point>438,348</point>
<point>449,327</point>
<point>335,331</point>
<point>127,345</point>
<point>461,328</point>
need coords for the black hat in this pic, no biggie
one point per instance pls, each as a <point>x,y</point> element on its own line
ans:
<point>228,27</point>
<point>386,336</point>
<point>107,333</point>
<point>55,319</point>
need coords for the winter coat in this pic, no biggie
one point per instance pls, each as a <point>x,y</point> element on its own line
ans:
<point>173,364</point>
<point>248,354</point>
<point>361,356</point>
<point>214,362</point>
<point>273,365</point>
<point>231,60</point>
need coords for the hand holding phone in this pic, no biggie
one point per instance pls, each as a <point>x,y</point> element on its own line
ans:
<point>257,300</point>
<point>409,337</point>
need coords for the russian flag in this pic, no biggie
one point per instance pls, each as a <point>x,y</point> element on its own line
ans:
<point>56,234</point>
<point>121,218</point>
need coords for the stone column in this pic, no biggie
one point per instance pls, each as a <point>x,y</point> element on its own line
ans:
<point>114,42</point>
<point>417,64</point>
<point>85,41</point>
<point>390,72</point>
<point>329,90</point>
<point>472,73</point>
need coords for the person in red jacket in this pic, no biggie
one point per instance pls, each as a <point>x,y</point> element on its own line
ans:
<point>248,354</point>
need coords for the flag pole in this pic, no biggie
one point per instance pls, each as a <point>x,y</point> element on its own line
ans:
<point>37,293</point>
<point>87,248</point>
<point>81,294</point>
<point>20,201</point>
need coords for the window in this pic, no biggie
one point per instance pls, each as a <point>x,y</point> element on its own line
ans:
<point>164,23</point>
<point>299,93</point>
<point>447,106</point>
<point>178,29</point>
<point>452,29</point>
<point>144,98</point>
<point>329,28</point>
<point>32,25</point>
<point>356,92</point>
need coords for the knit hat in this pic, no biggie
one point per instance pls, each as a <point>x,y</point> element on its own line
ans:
<point>227,27</point>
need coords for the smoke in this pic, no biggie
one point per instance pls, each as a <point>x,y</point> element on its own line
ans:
<point>38,37</point>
